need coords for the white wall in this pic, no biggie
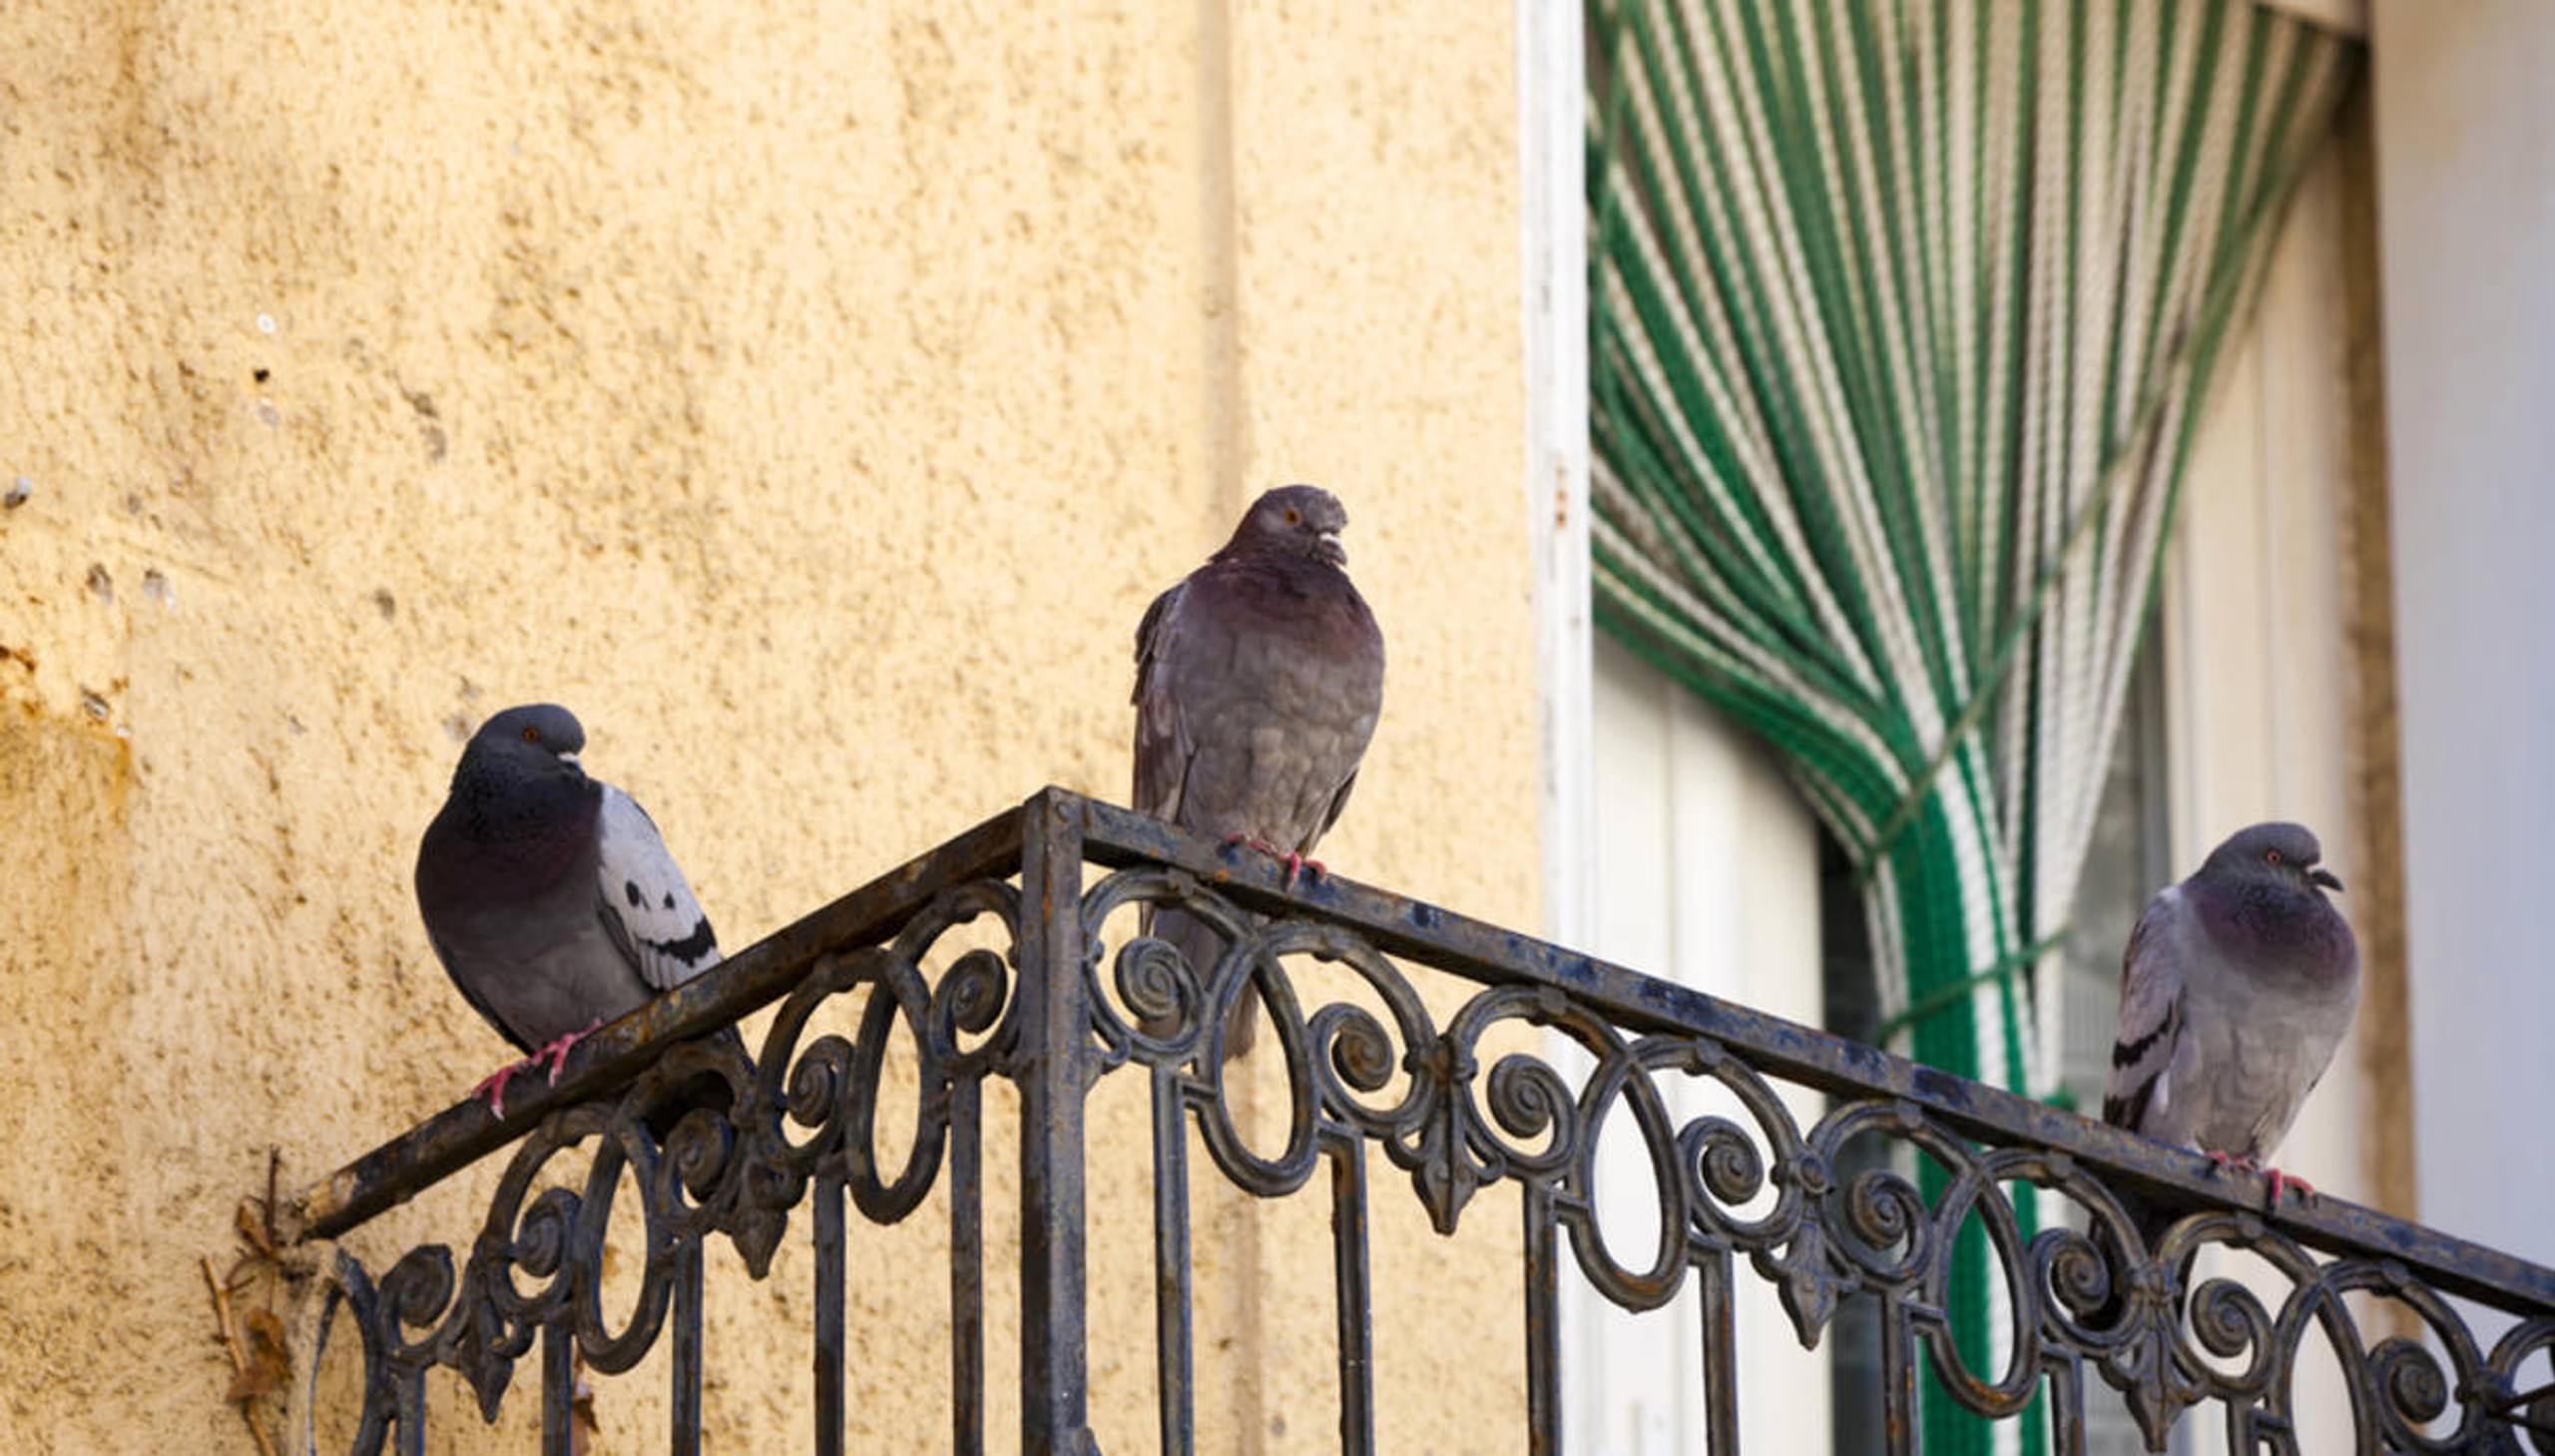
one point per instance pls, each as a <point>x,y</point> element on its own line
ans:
<point>2467,196</point>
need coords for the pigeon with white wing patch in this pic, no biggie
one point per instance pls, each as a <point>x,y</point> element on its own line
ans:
<point>549,896</point>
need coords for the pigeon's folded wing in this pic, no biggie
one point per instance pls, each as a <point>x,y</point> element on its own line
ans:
<point>1338,801</point>
<point>646,905</point>
<point>2151,1016</point>
<point>1164,747</point>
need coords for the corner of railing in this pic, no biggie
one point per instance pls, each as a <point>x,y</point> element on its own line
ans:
<point>1053,1047</point>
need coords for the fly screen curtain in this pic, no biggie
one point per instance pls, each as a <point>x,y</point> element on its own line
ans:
<point>1902,314</point>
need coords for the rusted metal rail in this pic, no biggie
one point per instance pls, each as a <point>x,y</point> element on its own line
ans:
<point>1058,1009</point>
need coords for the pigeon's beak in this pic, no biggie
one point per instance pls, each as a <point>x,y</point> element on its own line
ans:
<point>2325,877</point>
<point>1331,550</point>
<point>571,761</point>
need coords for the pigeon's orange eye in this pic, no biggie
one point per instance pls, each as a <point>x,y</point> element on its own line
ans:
<point>532,735</point>
<point>2271,856</point>
<point>1295,517</point>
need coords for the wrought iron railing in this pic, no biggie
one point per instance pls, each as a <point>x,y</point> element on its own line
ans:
<point>1059,1009</point>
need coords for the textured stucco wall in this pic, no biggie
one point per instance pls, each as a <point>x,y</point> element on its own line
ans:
<point>811,398</point>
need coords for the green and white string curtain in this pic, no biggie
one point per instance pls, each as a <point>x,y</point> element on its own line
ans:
<point>1902,314</point>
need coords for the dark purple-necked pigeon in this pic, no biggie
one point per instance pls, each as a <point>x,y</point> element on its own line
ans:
<point>2238,985</point>
<point>1258,681</point>
<point>549,896</point>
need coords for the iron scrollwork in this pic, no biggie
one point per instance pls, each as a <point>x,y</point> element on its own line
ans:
<point>797,1118</point>
<point>1519,1080</point>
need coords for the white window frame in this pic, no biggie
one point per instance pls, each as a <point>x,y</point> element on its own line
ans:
<point>1552,104</point>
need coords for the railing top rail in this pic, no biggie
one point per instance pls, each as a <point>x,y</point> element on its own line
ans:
<point>1472,949</point>
<point>1479,951</point>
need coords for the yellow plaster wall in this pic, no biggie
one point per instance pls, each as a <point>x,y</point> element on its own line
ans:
<point>812,397</point>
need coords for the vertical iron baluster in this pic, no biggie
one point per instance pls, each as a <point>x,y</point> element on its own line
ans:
<point>2067,1407</point>
<point>1721,1354</point>
<point>967,1266</point>
<point>412,1412</point>
<point>2251,1429</point>
<point>1543,1321</point>
<point>685,1414</point>
<point>1353,1296</point>
<point>828,1343</point>
<point>1053,1028</point>
<point>558,1387</point>
<point>1172,1355</point>
<point>1898,1379</point>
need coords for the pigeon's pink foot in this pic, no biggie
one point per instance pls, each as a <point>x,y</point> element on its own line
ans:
<point>2282,1180</point>
<point>493,1086</point>
<point>556,1054</point>
<point>2279,1181</point>
<point>1297,864</point>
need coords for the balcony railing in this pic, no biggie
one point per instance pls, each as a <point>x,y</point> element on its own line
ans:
<point>1052,1015</point>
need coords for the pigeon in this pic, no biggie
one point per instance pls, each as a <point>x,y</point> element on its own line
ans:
<point>550,899</point>
<point>1258,678</point>
<point>2237,988</point>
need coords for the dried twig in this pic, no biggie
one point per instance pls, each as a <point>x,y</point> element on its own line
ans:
<point>261,1244</point>
<point>250,1376</point>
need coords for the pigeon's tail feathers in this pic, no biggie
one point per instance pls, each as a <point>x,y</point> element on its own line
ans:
<point>1202,947</point>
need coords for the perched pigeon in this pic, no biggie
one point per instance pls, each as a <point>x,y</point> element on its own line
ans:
<point>549,896</point>
<point>1258,681</point>
<point>2236,989</point>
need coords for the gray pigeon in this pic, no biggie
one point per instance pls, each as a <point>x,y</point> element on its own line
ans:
<point>549,896</point>
<point>2237,986</point>
<point>1258,681</point>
